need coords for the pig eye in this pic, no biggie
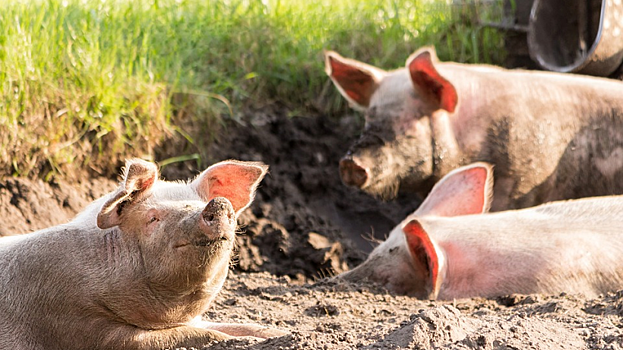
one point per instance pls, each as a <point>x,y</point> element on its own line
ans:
<point>392,250</point>
<point>153,219</point>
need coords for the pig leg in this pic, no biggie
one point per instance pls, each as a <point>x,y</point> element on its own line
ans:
<point>182,336</point>
<point>247,330</point>
<point>240,330</point>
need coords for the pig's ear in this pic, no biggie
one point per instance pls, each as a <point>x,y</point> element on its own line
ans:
<point>138,178</point>
<point>426,254</point>
<point>234,180</point>
<point>463,191</point>
<point>355,80</point>
<point>427,79</point>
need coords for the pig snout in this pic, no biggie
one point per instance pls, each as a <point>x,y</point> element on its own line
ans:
<point>353,173</point>
<point>218,220</point>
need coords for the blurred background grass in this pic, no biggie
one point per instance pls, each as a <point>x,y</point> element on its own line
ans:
<point>86,83</point>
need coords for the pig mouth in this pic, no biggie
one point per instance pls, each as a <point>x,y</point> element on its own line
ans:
<point>206,242</point>
<point>388,185</point>
<point>383,188</point>
<point>202,242</point>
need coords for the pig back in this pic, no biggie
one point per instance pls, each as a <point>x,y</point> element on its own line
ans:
<point>550,136</point>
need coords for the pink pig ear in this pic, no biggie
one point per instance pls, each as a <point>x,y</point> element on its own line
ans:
<point>463,191</point>
<point>138,178</point>
<point>427,79</point>
<point>232,179</point>
<point>426,254</point>
<point>355,80</point>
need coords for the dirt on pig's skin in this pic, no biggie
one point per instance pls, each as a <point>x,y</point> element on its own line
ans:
<point>304,224</point>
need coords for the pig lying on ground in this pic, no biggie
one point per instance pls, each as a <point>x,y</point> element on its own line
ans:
<point>550,136</point>
<point>442,252</point>
<point>132,271</point>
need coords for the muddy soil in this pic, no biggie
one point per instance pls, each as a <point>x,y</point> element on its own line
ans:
<point>29,205</point>
<point>305,225</point>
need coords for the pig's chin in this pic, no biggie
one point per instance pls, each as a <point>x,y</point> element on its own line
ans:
<point>388,188</point>
<point>209,256</point>
<point>404,284</point>
<point>384,189</point>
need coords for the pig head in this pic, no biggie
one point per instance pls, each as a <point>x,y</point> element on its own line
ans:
<point>541,130</point>
<point>185,244</point>
<point>134,270</point>
<point>395,149</point>
<point>450,248</point>
<point>410,262</point>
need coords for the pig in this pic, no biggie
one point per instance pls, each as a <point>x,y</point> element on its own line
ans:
<point>450,247</point>
<point>551,136</point>
<point>134,270</point>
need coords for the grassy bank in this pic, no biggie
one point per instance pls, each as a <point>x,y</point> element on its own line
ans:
<point>91,82</point>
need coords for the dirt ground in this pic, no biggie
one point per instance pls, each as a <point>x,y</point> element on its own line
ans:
<point>305,225</point>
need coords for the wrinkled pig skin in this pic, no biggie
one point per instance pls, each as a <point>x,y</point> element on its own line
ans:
<point>550,136</point>
<point>134,270</point>
<point>451,248</point>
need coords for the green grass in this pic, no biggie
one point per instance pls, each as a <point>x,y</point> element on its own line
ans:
<point>90,82</point>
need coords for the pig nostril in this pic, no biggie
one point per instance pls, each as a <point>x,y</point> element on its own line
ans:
<point>352,173</point>
<point>218,208</point>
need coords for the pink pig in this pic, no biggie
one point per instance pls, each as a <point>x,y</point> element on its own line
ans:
<point>449,249</point>
<point>134,270</point>
<point>551,136</point>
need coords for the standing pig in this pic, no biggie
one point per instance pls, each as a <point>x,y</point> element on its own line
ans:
<point>550,136</point>
<point>135,270</point>
<point>442,251</point>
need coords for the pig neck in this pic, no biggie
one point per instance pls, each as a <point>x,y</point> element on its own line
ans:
<point>446,151</point>
<point>456,136</point>
<point>485,101</point>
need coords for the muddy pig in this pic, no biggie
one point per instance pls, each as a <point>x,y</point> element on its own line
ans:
<point>134,270</point>
<point>449,249</point>
<point>550,136</point>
